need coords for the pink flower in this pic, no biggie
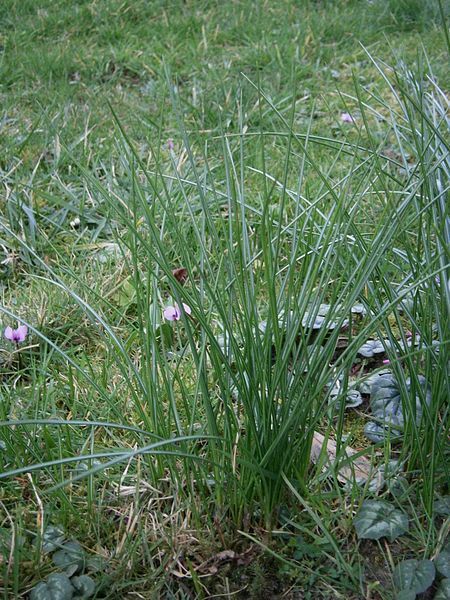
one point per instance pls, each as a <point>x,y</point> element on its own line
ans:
<point>347,118</point>
<point>16,335</point>
<point>386,362</point>
<point>173,313</point>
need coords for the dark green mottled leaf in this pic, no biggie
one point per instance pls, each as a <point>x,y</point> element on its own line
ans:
<point>415,575</point>
<point>57,587</point>
<point>443,591</point>
<point>387,408</point>
<point>442,506</point>
<point>377,519</point>
<point>442,563</point>
<point>84,587</point>
<point>70,558</point>
<point>52,539</point>
<point>406,595</point>
<point>372,348</point>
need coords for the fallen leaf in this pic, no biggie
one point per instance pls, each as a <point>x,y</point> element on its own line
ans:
<point>360,469</point>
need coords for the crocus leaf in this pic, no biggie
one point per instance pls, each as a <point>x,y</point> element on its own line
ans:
<point>164,333</point>
<point>443,591</point>
<point>377,519</point>
<point>84,587</point>
<point>442,563</point>
<point>5,542</point>
<point>414,575</point>
<point>70,558</point>
<point>126,295</point>
<point>8,540</point>
<point>57,587</point>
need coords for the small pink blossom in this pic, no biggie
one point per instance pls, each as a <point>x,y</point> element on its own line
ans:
<point>386,361</point>
<point>173,313</point>
<point>347,118</point>
<point>16,335</point>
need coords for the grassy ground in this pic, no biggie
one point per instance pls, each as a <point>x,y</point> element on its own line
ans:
<point>81,83</point>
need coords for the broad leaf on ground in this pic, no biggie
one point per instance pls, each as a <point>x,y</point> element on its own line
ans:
<point>372,348</point>
<point>70,558</point>
<point>387,407</point>
<point>442,506</point>
<point>414,575</point>
<point>52,538</point>
<point>57,587</point>
<point>442,563</point>
<point>443,591</point>
<point>84,587</point>
<point>406,595</point>
<point>377,519</point>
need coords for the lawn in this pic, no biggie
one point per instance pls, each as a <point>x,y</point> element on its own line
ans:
<point>224,277</point>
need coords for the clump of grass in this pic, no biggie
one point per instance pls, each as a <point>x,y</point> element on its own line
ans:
<point>220,407</point>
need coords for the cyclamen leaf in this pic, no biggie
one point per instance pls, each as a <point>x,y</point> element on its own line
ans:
<point>52,538</point>
<point>377,519</point>
<point>385,400</point>
<point>442,563</point>
<point>377,433</point>
<point>386,406</point>
<point>352,399</point>
<point>443,591</point>
<point>372,348</point>
<point>406,595</point>
<point>84,587</point>
<point>57,587</point>
<point>70,558</point>
<point>414,575</point>
<point>442,506</point>
<point>365,384</point>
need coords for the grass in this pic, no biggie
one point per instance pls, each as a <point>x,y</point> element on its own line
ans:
<point>178,453</point>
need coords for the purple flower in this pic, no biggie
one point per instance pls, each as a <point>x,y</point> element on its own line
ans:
<point>16,335</point>
<point>347,118</point>
<point>170,144</point>
<point>173,313</point>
